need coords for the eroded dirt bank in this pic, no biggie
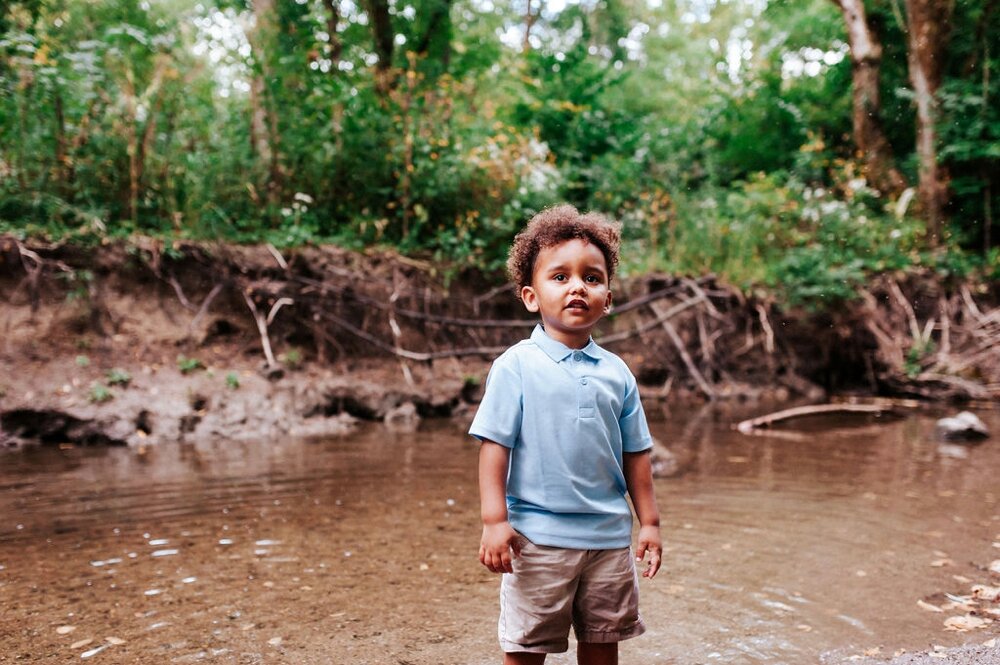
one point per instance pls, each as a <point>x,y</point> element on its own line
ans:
<point>139,343</point>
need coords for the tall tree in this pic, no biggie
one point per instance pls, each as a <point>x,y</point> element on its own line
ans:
<point>436,36</point>
<point>263,121</point>
<point>384,37</point>
<point>929,30</point>
<point>866,62</point>
<point>332,20</point>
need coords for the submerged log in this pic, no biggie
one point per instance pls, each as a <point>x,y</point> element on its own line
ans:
<point>748,426</point>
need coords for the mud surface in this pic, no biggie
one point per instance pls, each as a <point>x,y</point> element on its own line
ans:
<point>361,549</point>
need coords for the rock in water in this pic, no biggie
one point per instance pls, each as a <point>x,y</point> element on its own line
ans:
<point>965,426</point>
<point>403,418</point>
<point>663,461</point>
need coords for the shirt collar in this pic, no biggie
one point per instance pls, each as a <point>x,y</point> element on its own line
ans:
<point>559,351</point>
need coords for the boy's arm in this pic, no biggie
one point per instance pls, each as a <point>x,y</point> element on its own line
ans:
<point>639,480</point>
<point>500,542</point>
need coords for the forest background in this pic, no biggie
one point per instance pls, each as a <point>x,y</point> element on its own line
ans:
<point>793,147</point>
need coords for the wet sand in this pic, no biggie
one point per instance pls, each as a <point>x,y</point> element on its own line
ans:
<point>363,549</point>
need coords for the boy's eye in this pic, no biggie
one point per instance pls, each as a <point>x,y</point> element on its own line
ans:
<point>559,278</point>
<point>593,279</point>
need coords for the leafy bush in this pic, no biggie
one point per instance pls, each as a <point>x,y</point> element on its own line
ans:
<point>814,246</point>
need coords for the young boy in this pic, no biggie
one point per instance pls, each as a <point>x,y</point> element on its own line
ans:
<point>564,440</point>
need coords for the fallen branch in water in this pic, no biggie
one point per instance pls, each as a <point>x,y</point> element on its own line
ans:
<point>748,426</point>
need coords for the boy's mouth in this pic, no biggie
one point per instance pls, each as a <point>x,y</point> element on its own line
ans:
<point>577,304</point>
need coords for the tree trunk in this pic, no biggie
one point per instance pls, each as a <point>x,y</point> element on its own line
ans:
<point>384,43</point>
<point>866,63</point>
<point>60,131</point>
<point>408,168</point>
<point>437,33</point>
<point>332,19</point>
<point>529,22</point>
<point>139,142</point>
<point>263,124</point>
<point>131,145</point>
<point>929,25</point>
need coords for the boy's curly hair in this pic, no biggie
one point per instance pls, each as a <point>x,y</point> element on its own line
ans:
<point>555,225</point>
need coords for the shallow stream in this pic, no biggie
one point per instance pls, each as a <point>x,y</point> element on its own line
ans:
<point>808,547</point>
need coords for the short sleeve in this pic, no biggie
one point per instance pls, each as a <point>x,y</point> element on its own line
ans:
<point>499,416</point>
<point>634,429</point>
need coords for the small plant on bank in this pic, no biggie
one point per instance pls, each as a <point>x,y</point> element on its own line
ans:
<point>118,377</point>
<point>232,381</point>
<point>100,393</point>
<point>913,362</point>
<point>82,361</point>
<point>78,283</point>
<point>471,389</point>
<point>292,358</point>
<point>187,365</point>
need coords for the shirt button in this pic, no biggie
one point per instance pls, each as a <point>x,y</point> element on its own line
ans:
<point>583,381</point>
<point>577,356</point>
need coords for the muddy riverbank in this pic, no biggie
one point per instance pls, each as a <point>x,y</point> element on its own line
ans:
<point>138,343</point>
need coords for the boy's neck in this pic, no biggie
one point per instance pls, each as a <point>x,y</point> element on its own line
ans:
<point>573,341</point>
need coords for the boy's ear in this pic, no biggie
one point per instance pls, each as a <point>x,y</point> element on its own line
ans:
<point>607,304</point>
<point>529,298</point>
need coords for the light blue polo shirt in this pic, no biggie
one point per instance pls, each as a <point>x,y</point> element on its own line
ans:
<point>567,415</point>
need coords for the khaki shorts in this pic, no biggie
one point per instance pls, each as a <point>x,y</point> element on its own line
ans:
<point>551,588</point>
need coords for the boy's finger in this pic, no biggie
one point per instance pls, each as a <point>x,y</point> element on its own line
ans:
<point>505,562</point>
<point>654,564</point>
<point>489,561</point>
<point>640,552</point>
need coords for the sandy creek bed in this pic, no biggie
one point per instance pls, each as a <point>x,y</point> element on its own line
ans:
<point>362,549</point>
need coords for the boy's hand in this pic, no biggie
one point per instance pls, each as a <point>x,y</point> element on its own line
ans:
<point>649,541</point>
<point>499,547</point>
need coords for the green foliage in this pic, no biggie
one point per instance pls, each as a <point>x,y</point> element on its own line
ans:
<point>707,128</point>
<point>100,393</point>
<point>118,377</point>
<point>82,361</point>
<point>915,355</point>
<point>292,358</point>
<point>812,245</point>
<point>78,285</point>
<point>187,365</point>
<point>232,380</point>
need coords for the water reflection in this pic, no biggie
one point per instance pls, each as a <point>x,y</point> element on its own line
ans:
<point>779,548</point>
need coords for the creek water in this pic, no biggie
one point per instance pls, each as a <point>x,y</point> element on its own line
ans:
<point>808,546</point>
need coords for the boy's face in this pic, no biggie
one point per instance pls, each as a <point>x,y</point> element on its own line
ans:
<point>569,288</point>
